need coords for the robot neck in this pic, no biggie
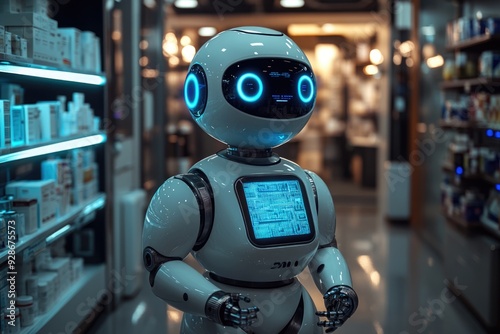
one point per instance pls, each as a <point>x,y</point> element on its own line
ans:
<point>251,156</point>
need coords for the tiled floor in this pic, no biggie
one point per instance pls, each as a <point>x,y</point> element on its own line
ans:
<point>399,281</point>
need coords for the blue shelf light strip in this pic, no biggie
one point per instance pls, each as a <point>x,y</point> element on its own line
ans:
<point>90,79</point>
<point>54,148</point>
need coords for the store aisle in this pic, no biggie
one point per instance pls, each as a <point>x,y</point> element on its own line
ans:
<point>399,281</point>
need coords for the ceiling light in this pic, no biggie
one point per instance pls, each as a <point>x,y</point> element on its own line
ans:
<point>186,3</point>
<point>207,31</point>
<point>292,3</point>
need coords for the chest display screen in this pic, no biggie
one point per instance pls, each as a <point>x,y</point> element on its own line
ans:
<point>276,210</point>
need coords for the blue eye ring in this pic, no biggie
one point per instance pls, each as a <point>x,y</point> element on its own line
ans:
<point>311,84</point>
<point>239,87</point>
<point>192,78</point>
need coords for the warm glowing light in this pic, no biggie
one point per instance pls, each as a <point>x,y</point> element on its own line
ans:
<point>435,61</point>
<point>144,61</point>
<point>149,73</point>
<point>376,57</point>
<point>406,47</point>
<point>90,79</point>
<point>185,40</point>
<point>397,59</point>
<point>207,31</point>
<point>116,35</point>
<point>428,50</point>
<point>188,53</point>
<point>186,3</point>
<point>292,3</point>
<point>370,70</point>
<point>173,61</point>
<point>328,28</point>
<point>170,47</point>
<point>409,62</point>
<point>143,45</point>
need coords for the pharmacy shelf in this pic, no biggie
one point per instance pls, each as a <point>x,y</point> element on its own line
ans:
<point>455,124</point>
<point>461,222</point>
<point>476,44</point>
<point>68,309</point>
<point>59,145</point>
<point>468,84</point>
<point>74,218</point>
<point>15,65</point>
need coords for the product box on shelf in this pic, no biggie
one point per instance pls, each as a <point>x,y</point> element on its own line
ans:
<point>5,136</point>
<point>7,49</point>
<point>2,39</point>
<point>35,20</point>
<point>12,92</point>
<point>60,266</point>
<point>59,171</point>
<point>35,6</point>
<point>489,64</point>
<point>32,128</point>
<point>17,127</point>
<point>11,6</point>
<point>43,191</point>
<point>16,44</point>
<point>41,44</point>
<point>53,283</point>
<point>28,207</point>
<point>24,47</point>
<point>49,118</point>
<point>71,46</point>
<point>492,26</point>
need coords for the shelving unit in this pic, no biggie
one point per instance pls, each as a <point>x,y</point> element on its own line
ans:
<point>43,81</point>
<point>471,248</point>
<point>65,310</point>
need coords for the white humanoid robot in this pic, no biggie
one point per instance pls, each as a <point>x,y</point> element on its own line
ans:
<point>253,220</point>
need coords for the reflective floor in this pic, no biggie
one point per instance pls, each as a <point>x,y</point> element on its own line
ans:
<point>399,281</point>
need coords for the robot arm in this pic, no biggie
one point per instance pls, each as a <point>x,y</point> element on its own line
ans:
<point>328,267</point>
<point>173,224</point>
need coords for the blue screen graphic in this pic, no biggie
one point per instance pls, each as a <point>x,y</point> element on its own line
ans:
<point>276,208</point>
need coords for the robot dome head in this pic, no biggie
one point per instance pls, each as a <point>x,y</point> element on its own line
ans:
<point>250,87</point>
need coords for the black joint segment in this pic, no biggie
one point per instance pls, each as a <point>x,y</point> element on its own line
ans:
<point>333,244</point>
<point>197,181</point>
<point>314,189</point>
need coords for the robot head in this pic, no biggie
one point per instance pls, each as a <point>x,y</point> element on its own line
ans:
<point>250,87</point>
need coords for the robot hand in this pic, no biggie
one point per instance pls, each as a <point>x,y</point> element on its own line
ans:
<point>224,309</point>
<point>340,302</point>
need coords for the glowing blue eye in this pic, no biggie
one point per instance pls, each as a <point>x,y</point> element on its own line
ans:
<point>497,134</point>
<point>192,88</point>
<point>489,133</point>
<point>305,84</point>
<point>497,187</point>
<point>459,170</point>
<point>249,83</point>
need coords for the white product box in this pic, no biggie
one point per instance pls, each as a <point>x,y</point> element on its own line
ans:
<point>28,207</point>
<point>88,51</point>
<point>44,192</point>
<point>49,119</point>
<point>5,136</point>
<point>53,285</point>
<point>11,6</point>
<point>60,266</point>
<point>41,44</point>
<point>15,44</point>
<point>7,48</point>
<point>24,47</point>
<point>97,48</point>
<point>71,48</point>
<point>59,171</point>
<point>35,20</point>
<point>35,6</point>
<point>17,127</point>
<point>77,168</point>
<point>32,128</point>
<point>76,268</point>
<point>2,39</point>
<point>12,92</point>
